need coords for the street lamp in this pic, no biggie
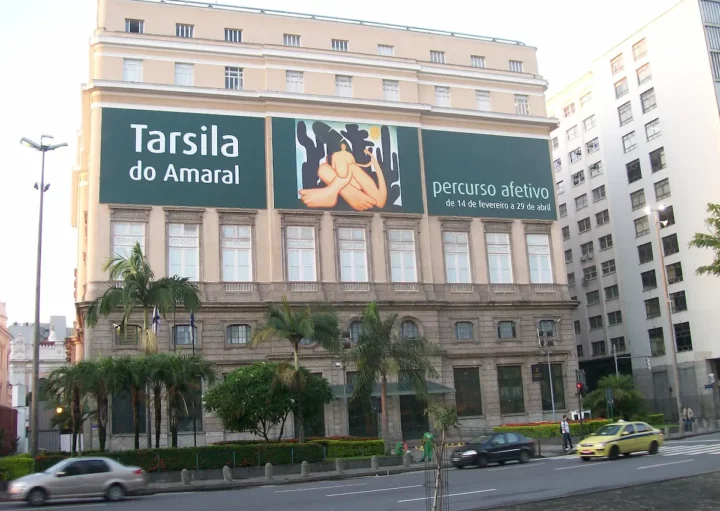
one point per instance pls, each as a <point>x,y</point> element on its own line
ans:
<point>59,410</point>
<point>44,146</point>
<point>655,212</point>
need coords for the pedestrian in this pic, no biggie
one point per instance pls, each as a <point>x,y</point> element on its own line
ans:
<point>565,431</point>
<point>427,441</point>
<point>688,418</point>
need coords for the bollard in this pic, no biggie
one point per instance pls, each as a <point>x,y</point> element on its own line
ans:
<point>304,469</point>
<point>227,475</point>
<point>185,477</point>
<point>374,463</point>
<point>407,459</point>
<point>339,466</point>
<point>268,471</point>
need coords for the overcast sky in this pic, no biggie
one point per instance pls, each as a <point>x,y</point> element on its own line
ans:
<point>44,56</point>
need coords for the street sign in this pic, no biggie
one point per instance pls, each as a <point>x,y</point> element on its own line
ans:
<point>709,386</point>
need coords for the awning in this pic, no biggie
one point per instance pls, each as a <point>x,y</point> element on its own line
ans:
<point>393,389</point>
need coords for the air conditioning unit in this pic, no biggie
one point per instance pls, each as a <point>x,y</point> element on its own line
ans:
<point>584,258</point>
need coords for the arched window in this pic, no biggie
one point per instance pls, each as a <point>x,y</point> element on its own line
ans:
<point>306,342</point>
<point>238,334</point>
<point>355,331</point>
<point>409,330</point>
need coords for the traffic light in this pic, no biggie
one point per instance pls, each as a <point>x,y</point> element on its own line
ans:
<point>580,388</point>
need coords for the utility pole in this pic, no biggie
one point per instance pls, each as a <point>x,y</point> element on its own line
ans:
<point>614,350</point>
<point>543,343</point>
<point>580,379</point>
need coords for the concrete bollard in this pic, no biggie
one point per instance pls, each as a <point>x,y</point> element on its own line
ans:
<point>407,459</point>
<point>185,477</point>
<point>268,471</point>
<point>340,466</point>
<point>304,469</point>
<point>227,474</point>
<point>374,463</point>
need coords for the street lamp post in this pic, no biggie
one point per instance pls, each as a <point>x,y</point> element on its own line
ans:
<point>44,146</point>
<point>655,212</point>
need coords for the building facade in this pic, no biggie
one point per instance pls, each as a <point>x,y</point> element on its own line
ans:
<point>269,155</point>
<point>633,140</point>
<point>5,340</point>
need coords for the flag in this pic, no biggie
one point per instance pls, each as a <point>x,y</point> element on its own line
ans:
<point>155,320</point>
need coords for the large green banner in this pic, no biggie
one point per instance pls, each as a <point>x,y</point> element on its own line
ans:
<point>182,159</point>
<point>491,176</point>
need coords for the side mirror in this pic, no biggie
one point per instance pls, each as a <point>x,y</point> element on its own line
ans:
<point>60,474</point>
<point>625,433</point>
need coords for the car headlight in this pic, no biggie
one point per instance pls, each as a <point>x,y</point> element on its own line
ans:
<point>469,453</point>
<point>16,487</point>
<point>600,446</point>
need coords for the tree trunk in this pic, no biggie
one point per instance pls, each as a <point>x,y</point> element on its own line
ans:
<point>383,406</point>
<point>157,398</point>
<point>173,418</point>
<point>299,416</point>
<point>136,415</point>
<point>75,415</point>
<point>102,403</point>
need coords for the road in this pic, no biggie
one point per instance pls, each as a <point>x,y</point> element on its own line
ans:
<point>469,488</point>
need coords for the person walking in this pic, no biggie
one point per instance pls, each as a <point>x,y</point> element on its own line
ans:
<point>565,431</point>
<point>688,418</point>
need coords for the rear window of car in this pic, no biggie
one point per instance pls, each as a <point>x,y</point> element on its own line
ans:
<point>512,437</point>
<point>99,467</point>
<point>641,428</point>
<point>609,430</point>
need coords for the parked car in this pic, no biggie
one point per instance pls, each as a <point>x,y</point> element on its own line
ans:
<point>620,438</point>
<point>79,478</point>
<point>497,448</point>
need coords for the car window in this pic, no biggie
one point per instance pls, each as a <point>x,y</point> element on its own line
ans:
<point>512,438</point>
<point>641,428</point>
<point>629,429</point>
<point>99,467</point>
<point>498,440</point>
<point>609,430</point>
<point>79,468</point>
<point>480,439</point>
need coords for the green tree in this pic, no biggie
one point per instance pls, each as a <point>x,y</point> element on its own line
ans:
<point>64,386</point>
<point>158,367</point>
<point>133,372</point>
<point>100,379</point>
<point>628,401</point>
<point>379,353</point>
<point>710,239</point>
<point>443,417</point>
<point>294,325</point>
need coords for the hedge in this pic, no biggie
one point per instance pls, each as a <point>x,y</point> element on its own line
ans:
<point>13,467</point>
<point>316,439</point>
<point>655,419</point>
<point>344,449</point>
<point>552,430</point>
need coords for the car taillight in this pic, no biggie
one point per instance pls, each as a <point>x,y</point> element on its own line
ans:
<point>139,471</point>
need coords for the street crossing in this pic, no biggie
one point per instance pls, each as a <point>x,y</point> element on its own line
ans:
<point>689,449</point>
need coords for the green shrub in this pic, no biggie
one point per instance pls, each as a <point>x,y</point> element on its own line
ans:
<point>343,449</point>
<point>553,430</point>
<point>655,419</point>
<point>13,467</point>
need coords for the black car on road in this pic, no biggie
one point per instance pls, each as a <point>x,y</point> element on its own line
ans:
<point>497,448</point>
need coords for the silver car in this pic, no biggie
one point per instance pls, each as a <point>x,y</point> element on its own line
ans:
<point>79,478</point>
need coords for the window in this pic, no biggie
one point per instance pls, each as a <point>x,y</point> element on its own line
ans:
<point>617,64</point>
<point>442,96</point>
<point>634,173</point>
<point>648,101</point>
<point>644,74</point>
<point>621,88</point>
<point>562,209</point>
<point>642,226</point>
<point>506,330</point>
<point>571,279</point>
<point>391,90</point>
<point>645,253</point>
<point>184,250</point>
<point>606,242</point>
<point>132,70</point>
<point>596,169</point>
<point>608,267</point>
<point>437,57</point>
<point>657,159</point>
<point>130,336</point>
<point>184,74</point>
<point>560,187</point>
<point>355,331</point>
<point>182,30</point>
<point>386,50</point>
<point>300,246</point>
<point>612,292</point>
<point>662,189</point>
<point>294,81</point>
<point>581,201</point>
<point>343,86</point>
<point>233,78</point>
<point>652,308</point>
<point>598,193</point>
<point>499,258</point>
<point>557,165</point>
<point>482,98</point>
<point>555,143</point>
<point>572,133</point>
<point>457,257</point>
<point>569,110</point>
<point>618,344</point>
<point>579,349</point>
<point>352,249</point>
<point>193,409</point>
<point>510,385</point>
<point>291,40</point>
<point>666,217</point>
<point>584,225</point>
<point>652,129</point>
<point>522,107</point>
<point>134,26</point>
<point>402,256</point>
<point>125,235</point>
<point>576,323</point>
<point>678,302</point>
<point>670,245</point>
<point>558,393</point>
<point>629,142</point>
<point>614,318</point>
<point>639,49</point>
<point>649,280</point>
<point>578,178</point>
<point>657,341</point>
<point>468,399</point>
<point>625,113</point>
<point>339,45</point>
<point>637,199</point>
<point>538,246</point>
<point>593,145</point>
<point>590,273</point>
<point>593,297</point>
<point>409,330</point>
<point>683,339</point>
<point>238,334</point>
<point>589,123</point>
<point>595,322</point>
<point>233,35</point>
<point>568,256</point>
<point>183,335</point>
<point>516,66</point>
<point>674,273</point>
<point>122,414</point>
<point>477,61</point>
<point>598,348</point>
<point>602,218</point>
<point>463,330</point>
<point>585,99</point>
<point>236,243</point>
<point>587,249</point>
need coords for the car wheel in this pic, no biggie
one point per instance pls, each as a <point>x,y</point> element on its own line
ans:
<point>614,452</point>
<point>585,458</point>
<point>482,461</point>
<point>653,448</point>
<point>115,493</point>
<point>524,456</point>
<point>36,497</point>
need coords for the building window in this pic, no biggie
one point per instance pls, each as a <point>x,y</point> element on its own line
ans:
<point>566,233</point>
<point>125,236</point>
<point>579,349</point>
<point>593,297</point>
<point>183,335</point>
<point>606,242</point>
<point>608,267</point>
<point>589,123</point>
<point>463,330</point>
<point>386,50</point>
<point>644,74</point>
<point>657,341</point>
<point>506,330</point>
<point>409,330</point>
<point>678,302</point>
<point>128,337</point>
<point>457,257</point>
<point>568,256</point>
<point>538,246</point>
<point>291,40</point>
<point>639,49</point>
<point>649,280</point>
<point>596,322</point>
<point>355,331</point>
<point>642,226</point>
<point>557,165</point>
<point>562,209</point>
<point>499,258</point>
<point>581,201</point>
<point>238,334</point>
<point>670,245</point>
<point>184,74</point>
<point>300,245</point>
<point>662,189</point>
<point>584,225</point>
<point>343,86</point>
<point>569,110</point>
<point>652,129</point>
<point>353,254</point>
<point>683,339</point>
<point>598,348</point>
<point>625,113</point>
<point>576,323</point>
<point>477,61</point>
<point>236,243</point>
<point>547,327</point>
<point>657,159</point>
<point>560,187</point>
<point>510,385</point>
<point>339,45</point>
<point>585,99</point>
<point>482,99</point>
<point>233,78</point>
<point>555,143</point>
<point>391,90</point>
<point>618,344</point>
<point>522,107</point>
<point>558,393</point>
<point>437,57</point>
<point>674,273</point>
<point>590,273</point>
<point>637,199</point>
<point>468,399</point>
<point>634,173</point>
<point>652,308</point>
<point>598,193</point>
<point>571,279</point>
<point>184,250</point>
<point>648,100</point>
<point>572,133</point>
<point>294,81</point>
<point>587,249</point>
<point>193,409</point>
<point>516,66</point>
<point>596,169</point>
<point>132,70</point>
<point>666,217</point>
<point>134,26</point>
<point>612,293</point>
<point>402,256</point>
<point>616,64</point>
<point>621,88</point>
<point>629,142</point>
<point>182,30</point>
<point>122,412</point>
<point>602,218</point>
<point>593,145</point>
<point>233,35</point>
<point>442,96</point>
<point>578,178</point>
<point>645,253</point>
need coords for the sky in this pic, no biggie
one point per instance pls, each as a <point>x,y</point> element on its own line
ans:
<point>45,44</point>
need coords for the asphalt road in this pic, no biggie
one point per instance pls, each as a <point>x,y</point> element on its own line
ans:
<point>469,488</point>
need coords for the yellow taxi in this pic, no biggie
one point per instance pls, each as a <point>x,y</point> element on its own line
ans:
<point>612,440</point>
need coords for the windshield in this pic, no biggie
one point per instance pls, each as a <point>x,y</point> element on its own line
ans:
<point>609,430</point>
<point>57,467</point>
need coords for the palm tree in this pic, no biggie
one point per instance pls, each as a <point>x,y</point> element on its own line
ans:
<point>65,387</point>
<point>133,373</point>
<point>100,379</point>
<point>158,373</point>
<point>710,240</point>
<point>294,325</point>
<point>627,400</point>
<point>379,353</point>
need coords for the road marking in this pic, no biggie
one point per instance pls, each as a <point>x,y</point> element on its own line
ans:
<point>375,491</point>
<point>512,467</point>
<point>665,464</point>
<point>321,487</point>
<point>73,506</point>
<point>673,442</point>
<point>451,495</point>
<point>582,466</point>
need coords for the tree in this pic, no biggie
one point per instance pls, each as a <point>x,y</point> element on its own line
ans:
<point>65,387</point>
<point>294,325</point>
<point>134,374</point>
<point>158,367</point>
<point>443,417</point>
<point>710,240</point>
<point>100,379</point>
<point>256,398</point>
<point>628,401</point>
<point>379,353</point>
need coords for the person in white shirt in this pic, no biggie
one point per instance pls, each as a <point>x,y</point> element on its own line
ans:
<point>565,430</point>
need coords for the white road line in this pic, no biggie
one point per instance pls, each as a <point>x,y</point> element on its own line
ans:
<point>582,466</point>
<point>513,467</point>
<point>321,488</point>
<point>73,506</point>
<point>689,441</point>
<point>375,491</point>
<point>690,452</point>
<point>665,464</point>
<point>451,495</point>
